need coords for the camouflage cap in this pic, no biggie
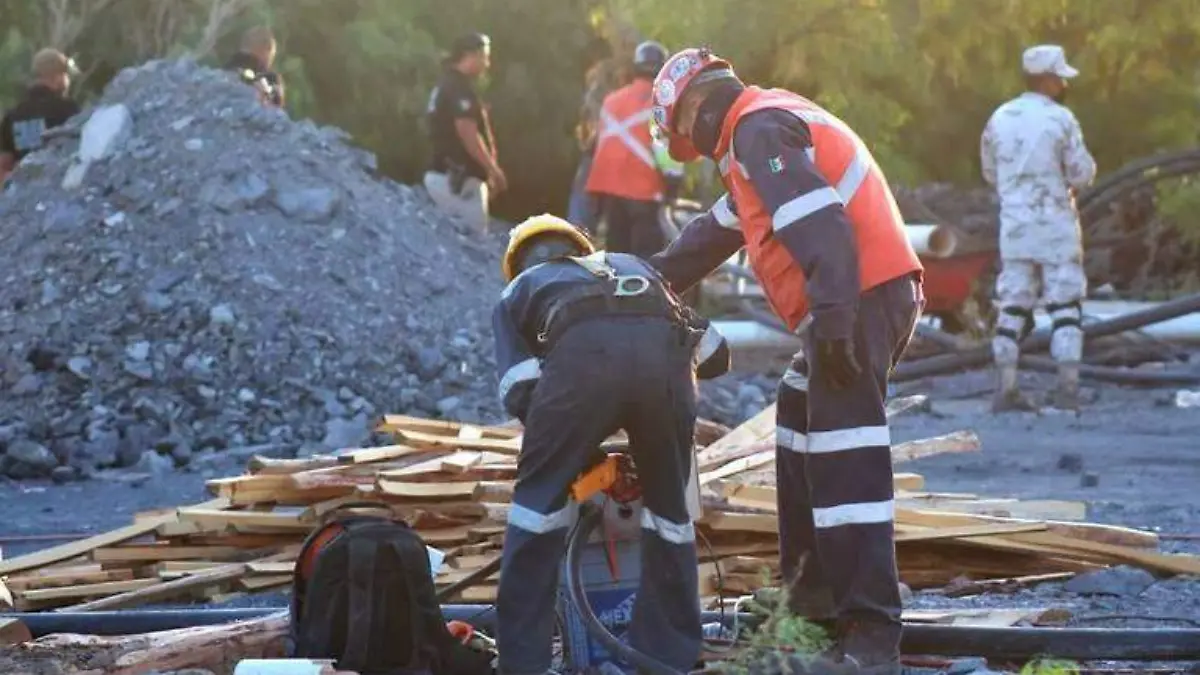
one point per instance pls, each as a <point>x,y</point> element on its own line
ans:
<point>1047,60</point>
<point>48,62</point>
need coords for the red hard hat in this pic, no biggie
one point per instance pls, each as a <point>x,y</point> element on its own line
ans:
<point>672,81</point>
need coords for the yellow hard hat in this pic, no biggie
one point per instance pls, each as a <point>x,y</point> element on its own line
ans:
<point>536,226</point>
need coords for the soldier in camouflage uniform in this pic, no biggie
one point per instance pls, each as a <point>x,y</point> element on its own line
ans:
<point>1034,155</point>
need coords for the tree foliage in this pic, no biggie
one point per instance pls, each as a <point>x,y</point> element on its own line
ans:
<point>917,78</point>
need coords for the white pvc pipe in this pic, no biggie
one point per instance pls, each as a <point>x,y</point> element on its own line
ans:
<point>935,241</point>
<point>285,667</point>
<point>754,335</point>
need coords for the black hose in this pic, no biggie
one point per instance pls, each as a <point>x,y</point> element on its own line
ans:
<point>589,517</point>
<point>948,363</point>
<point>1024,644</point>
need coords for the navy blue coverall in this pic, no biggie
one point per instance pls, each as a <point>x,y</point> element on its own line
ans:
<point>612,367</point>
<point>833,457</point>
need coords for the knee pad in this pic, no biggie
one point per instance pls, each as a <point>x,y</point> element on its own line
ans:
<point>1014,323</point>
<point>1066,338</point>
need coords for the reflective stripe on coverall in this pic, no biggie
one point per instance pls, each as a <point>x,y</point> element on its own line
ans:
<point>822,230</point>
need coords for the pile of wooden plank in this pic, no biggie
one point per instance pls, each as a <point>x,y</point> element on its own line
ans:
<point>453,483</point>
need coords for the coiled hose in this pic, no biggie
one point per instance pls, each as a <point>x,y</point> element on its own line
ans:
<point>589,518</point>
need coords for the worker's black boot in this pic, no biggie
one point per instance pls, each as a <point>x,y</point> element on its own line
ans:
<point>871,648</point>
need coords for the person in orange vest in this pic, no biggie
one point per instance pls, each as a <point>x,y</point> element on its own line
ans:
<point>827,243</point>
<point>626,176</point>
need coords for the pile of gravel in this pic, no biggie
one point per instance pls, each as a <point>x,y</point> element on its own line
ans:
<point>220,276</point>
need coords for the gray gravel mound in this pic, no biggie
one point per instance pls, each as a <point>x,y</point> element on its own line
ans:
<point>224,276</point>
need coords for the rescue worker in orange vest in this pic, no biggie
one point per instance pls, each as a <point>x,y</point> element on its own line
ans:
<point>626,176</point>
<point>827,243</point>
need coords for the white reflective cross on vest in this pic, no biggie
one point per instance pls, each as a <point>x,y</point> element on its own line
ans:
<point>610,126</point>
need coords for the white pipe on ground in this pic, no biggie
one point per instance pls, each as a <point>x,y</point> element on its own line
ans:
<point>754,335</point>
<point>934,241</point>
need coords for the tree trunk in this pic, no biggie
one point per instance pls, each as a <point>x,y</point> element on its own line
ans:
<point>214,648</point>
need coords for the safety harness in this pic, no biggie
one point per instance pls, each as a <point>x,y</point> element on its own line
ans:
<point>616,295</point>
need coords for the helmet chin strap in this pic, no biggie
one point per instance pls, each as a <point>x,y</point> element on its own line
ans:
<point>710,117</point>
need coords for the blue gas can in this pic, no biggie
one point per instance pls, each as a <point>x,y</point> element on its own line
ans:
<point>611,590</point>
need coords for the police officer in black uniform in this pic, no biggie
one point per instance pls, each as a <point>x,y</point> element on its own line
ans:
<point>463,172</point>
<point>587,344</point>
<point>45,106</point>
<point>254,62</point>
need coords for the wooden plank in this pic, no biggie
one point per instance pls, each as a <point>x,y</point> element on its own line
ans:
<point>68,578</point>
<point>158,590</point>
<point>428,490</point>
<point>958,441</point>
<point>272,465</point>
<point>380,454</point>
<point>272,568</point>
<point>428,466</point>
<point>6,596</point>
<point>244,520</point>
<point>1105,534</point>
<point>758,433</point>
<point>908,481</point>
<point>85,590</point>
<point>504,446</point>
<point>261,583</point>
<point>1040,509</point>
<point>494,491</point>
<point>162,590</point>
<point>741,522</point>
<point>932,534</point>
<point>394,423</point>
<point>81,547</point>
<point>154,553</point>
<point>955,442</point>
<point>734,444</point>
<point>461,461</point>
<point>447,535</point>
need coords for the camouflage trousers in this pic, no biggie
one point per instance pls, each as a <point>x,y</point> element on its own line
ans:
<point>1021,284</point>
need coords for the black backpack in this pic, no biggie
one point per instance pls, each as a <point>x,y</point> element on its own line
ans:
<point>362,594</point>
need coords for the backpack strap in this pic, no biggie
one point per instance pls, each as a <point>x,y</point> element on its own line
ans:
<point>423,656</point>
<point>360,603</point>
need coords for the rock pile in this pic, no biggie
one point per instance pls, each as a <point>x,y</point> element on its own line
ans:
<point>186,270</point>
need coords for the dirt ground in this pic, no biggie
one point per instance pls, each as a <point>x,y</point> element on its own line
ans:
<point>1136,463</point>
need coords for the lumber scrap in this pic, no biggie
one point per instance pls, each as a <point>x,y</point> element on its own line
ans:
<point>958,441</point>
<point>83,547</point>
<point>453,484</point>
<point>214,648</point>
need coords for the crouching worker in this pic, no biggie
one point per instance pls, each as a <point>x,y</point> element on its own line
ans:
<point>589,343</point>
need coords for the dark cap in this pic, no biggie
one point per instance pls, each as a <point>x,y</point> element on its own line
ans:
<point>466,44</point>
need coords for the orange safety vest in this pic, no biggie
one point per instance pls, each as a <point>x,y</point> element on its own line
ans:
<point>884,252</point>
<point>623,164</point>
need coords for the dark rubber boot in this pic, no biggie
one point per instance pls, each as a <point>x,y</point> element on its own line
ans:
<point>873,647</point>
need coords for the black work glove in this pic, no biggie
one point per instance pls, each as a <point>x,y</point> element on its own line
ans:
<point>836,362</point>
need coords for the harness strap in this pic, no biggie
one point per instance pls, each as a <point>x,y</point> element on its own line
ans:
<point>615,295</point>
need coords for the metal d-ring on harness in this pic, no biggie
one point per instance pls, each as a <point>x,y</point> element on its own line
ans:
<point>618,294</point>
